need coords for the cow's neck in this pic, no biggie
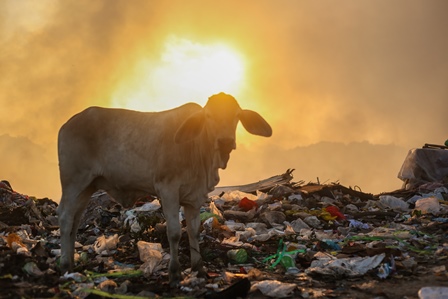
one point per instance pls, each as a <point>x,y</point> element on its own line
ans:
<point>210,160</point>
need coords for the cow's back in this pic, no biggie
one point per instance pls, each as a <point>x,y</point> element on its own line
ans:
<point>121,149</point>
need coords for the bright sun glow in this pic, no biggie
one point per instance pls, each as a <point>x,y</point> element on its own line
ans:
<point>186,72</point>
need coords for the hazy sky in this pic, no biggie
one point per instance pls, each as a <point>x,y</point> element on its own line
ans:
<point>370,75</point>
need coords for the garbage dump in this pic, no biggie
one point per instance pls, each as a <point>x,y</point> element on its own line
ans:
<point>271,239</point>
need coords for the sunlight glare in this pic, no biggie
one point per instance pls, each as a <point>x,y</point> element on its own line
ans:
<point>186,72</point>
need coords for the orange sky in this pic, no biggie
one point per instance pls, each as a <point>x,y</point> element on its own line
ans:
<point>348,86</point>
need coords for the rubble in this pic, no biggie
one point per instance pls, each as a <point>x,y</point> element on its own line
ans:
<point>271,239</point>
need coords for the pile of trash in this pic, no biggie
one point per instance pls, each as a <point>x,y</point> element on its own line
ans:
<point>271,239</point>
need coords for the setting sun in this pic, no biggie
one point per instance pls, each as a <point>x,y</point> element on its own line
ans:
<point>186,71</point>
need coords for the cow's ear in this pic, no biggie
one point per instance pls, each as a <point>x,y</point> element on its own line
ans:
<point>254,123</point>
<point>190,128</point>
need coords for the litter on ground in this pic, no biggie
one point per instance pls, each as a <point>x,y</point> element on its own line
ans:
<point>272,239</point>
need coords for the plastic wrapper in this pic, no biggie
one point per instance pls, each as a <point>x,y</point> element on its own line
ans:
<point>312,221</point>
<point>299,224</point>
<point>428,205</point>
<point>358,224</point>
<point>273,217</point>
<point>335,212</point>
<point>214,210</point>
<point>105,245</point>
<point>393,203</point>
<point>246,204</point>
<point>238,195</point>
<point>235,226</point>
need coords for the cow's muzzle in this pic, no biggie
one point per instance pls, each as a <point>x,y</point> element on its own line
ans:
<point>226,145</point>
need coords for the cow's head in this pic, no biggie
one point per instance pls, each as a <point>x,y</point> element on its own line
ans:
<point>219,119</point>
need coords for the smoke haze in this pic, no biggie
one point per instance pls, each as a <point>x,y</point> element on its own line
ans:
<point>348,86</point>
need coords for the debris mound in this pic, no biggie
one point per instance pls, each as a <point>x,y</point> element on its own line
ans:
<point>271,239</point>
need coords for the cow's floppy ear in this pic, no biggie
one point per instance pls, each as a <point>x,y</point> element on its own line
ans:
<point>254,123</point>
<point>190,128</point>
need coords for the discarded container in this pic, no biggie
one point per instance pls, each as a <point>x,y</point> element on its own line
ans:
<point>287,261</point>
<point>238,256</point>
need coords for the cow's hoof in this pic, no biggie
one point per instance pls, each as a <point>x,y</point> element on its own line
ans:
<point>175,280</point>
<point>65,268</point>
<point>202,272</point>
<point>174,284</point>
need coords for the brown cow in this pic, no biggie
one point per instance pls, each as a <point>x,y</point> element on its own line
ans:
<point>174,155</point>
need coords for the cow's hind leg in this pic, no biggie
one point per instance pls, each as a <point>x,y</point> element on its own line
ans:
<point>170,208</point>
<point>70,210</point>
<point>193,224</point>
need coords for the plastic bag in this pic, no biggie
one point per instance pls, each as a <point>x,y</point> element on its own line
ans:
<point>424,165</point>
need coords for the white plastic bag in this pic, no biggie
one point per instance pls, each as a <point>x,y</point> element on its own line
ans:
<point>274,288</point>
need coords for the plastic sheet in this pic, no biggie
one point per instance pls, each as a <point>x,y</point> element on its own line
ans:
<point>424,165</point>
<point>433,293</point>
<point>151,255</point>
<point>344,267</point>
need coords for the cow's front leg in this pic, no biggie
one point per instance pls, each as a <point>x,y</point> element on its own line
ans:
<point>173,230</point>
<point>193,224</point>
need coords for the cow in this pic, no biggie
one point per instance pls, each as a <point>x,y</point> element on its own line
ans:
<point>173,154</point>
